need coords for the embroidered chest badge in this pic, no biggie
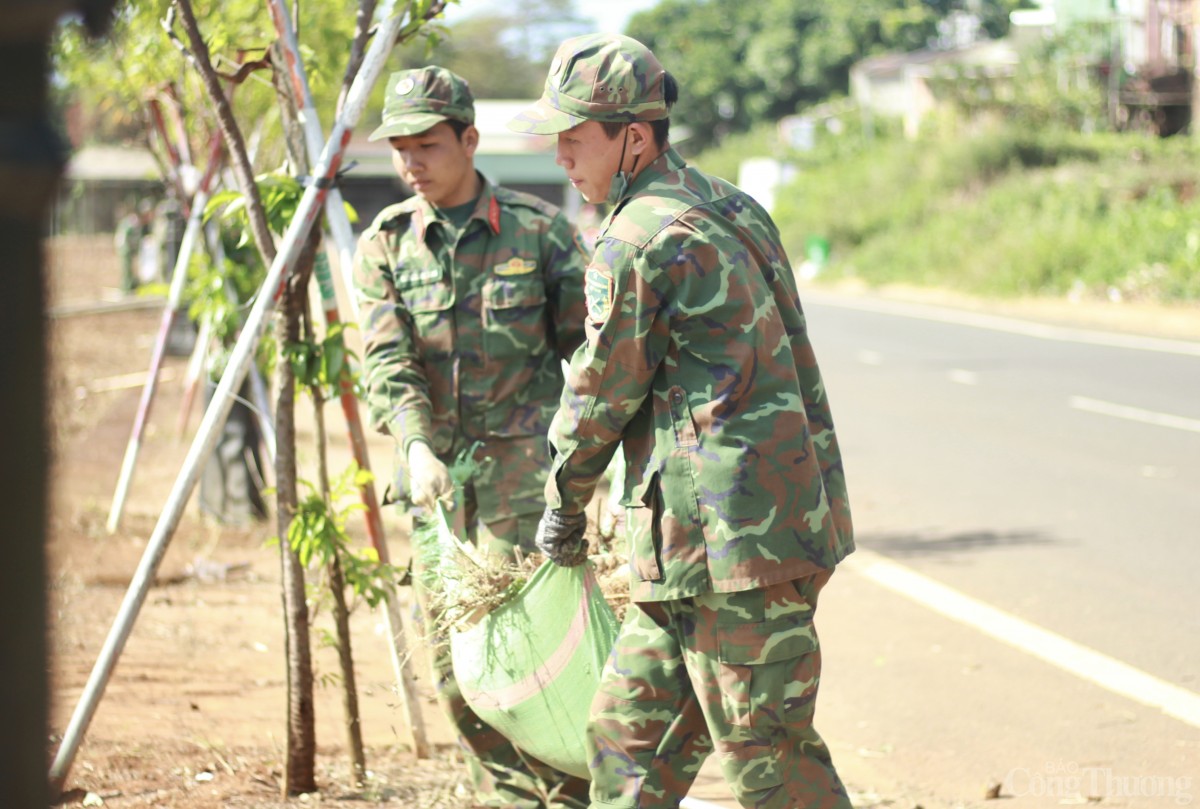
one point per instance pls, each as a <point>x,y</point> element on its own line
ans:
<point>407,278</point>
<point>598,292</point>
<point>515,266</point>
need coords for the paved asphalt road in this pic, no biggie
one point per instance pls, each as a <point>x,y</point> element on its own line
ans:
<point>1023,612</point>
<point>1029,473</point>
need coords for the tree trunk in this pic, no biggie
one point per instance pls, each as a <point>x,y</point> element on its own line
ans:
<point>358,48</point>
<point>300,767</point>
<point>298,156</point>
<point>337,588</point>
<point>341,615</point>
<point>234,143</point>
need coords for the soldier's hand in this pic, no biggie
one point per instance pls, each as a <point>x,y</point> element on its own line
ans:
<point>560,537</point>
<point>429,478</point>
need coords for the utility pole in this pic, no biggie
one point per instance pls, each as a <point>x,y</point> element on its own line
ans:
<point>1193,27</point>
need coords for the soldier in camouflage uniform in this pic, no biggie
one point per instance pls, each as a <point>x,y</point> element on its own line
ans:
<point>470,298</point>
<point>132,229</point>
<point>697,360</point>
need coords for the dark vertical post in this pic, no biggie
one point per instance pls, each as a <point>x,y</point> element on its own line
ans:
<point>31,159</point>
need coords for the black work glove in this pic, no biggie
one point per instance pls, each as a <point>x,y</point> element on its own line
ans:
<point>560,537</point>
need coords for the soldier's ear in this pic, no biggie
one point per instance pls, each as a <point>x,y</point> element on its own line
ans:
<point>641,137</point>
<point>470,140</point>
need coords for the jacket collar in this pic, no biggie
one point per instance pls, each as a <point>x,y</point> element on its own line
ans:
<point>487,208</point>
<point>666,163</point>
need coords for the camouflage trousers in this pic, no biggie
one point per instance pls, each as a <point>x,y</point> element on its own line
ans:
<point>129,279</point>
<point>502,536</point>
<point>501,775</point>
<point>734,673</point>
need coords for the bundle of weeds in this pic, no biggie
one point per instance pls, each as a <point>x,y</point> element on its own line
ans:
<point>483,584</point>
<point>463,584</point>
<point>459,584</point>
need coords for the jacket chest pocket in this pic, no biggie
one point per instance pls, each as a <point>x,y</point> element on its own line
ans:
<point>429,300</point>
<point>514,316</point>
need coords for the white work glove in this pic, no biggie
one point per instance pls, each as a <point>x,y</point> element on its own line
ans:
<point>429,479</point>
<point>560,537</point>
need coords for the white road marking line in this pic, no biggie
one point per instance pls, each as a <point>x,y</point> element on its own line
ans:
<point>1008,324</point>
<point>1100,669</point>
<point>1134,414</point>
<point>964,377</point>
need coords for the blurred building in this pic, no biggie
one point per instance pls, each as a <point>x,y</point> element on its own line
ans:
<point>897,85</point>
<point>103,182</point>
<point>1147,60</point>
<point>100,185</point>
<point>518,161</point>
<point>1155,47</point>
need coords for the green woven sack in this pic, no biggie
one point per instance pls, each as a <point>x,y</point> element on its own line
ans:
<point>531,667</point>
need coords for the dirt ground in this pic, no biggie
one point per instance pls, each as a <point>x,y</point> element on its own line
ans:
<point>194,715</point>
<point>195,712</point>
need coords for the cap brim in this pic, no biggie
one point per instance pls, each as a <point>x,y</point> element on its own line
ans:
<point>413,124</point>
<point>543,119</point>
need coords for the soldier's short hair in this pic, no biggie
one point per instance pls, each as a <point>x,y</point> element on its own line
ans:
<point>662,127</point>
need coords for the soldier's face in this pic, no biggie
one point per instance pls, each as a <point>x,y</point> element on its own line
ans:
<point>437,164</point>
<point>590,158</point>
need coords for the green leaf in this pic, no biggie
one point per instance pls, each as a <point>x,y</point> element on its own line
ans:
<point>236,209</point>
<point>295,534</point>
<point>334,361</point>
<point>221,199</point>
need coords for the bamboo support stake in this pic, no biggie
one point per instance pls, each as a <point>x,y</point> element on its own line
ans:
<point>335,214</point>
<point>306,214</point>
<point>174,298</point>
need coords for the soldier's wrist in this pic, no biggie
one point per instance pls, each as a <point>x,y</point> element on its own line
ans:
<point>410,444</point>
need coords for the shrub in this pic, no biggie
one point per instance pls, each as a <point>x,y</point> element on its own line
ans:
<point>1008,212</point>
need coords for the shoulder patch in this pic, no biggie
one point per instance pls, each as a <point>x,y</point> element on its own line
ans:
<point>577,240</point>
<point>599,291</point>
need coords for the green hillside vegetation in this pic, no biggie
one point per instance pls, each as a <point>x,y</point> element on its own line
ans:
<point>1015,188</point>
<point>1009,211</point>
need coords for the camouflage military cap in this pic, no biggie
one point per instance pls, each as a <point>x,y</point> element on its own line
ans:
<point>417,100</point>
<point>597,77</point>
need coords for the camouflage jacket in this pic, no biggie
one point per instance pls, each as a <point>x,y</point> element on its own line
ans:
<point>464,337</point>
<point>697,358</point>
<point>128,235</point>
